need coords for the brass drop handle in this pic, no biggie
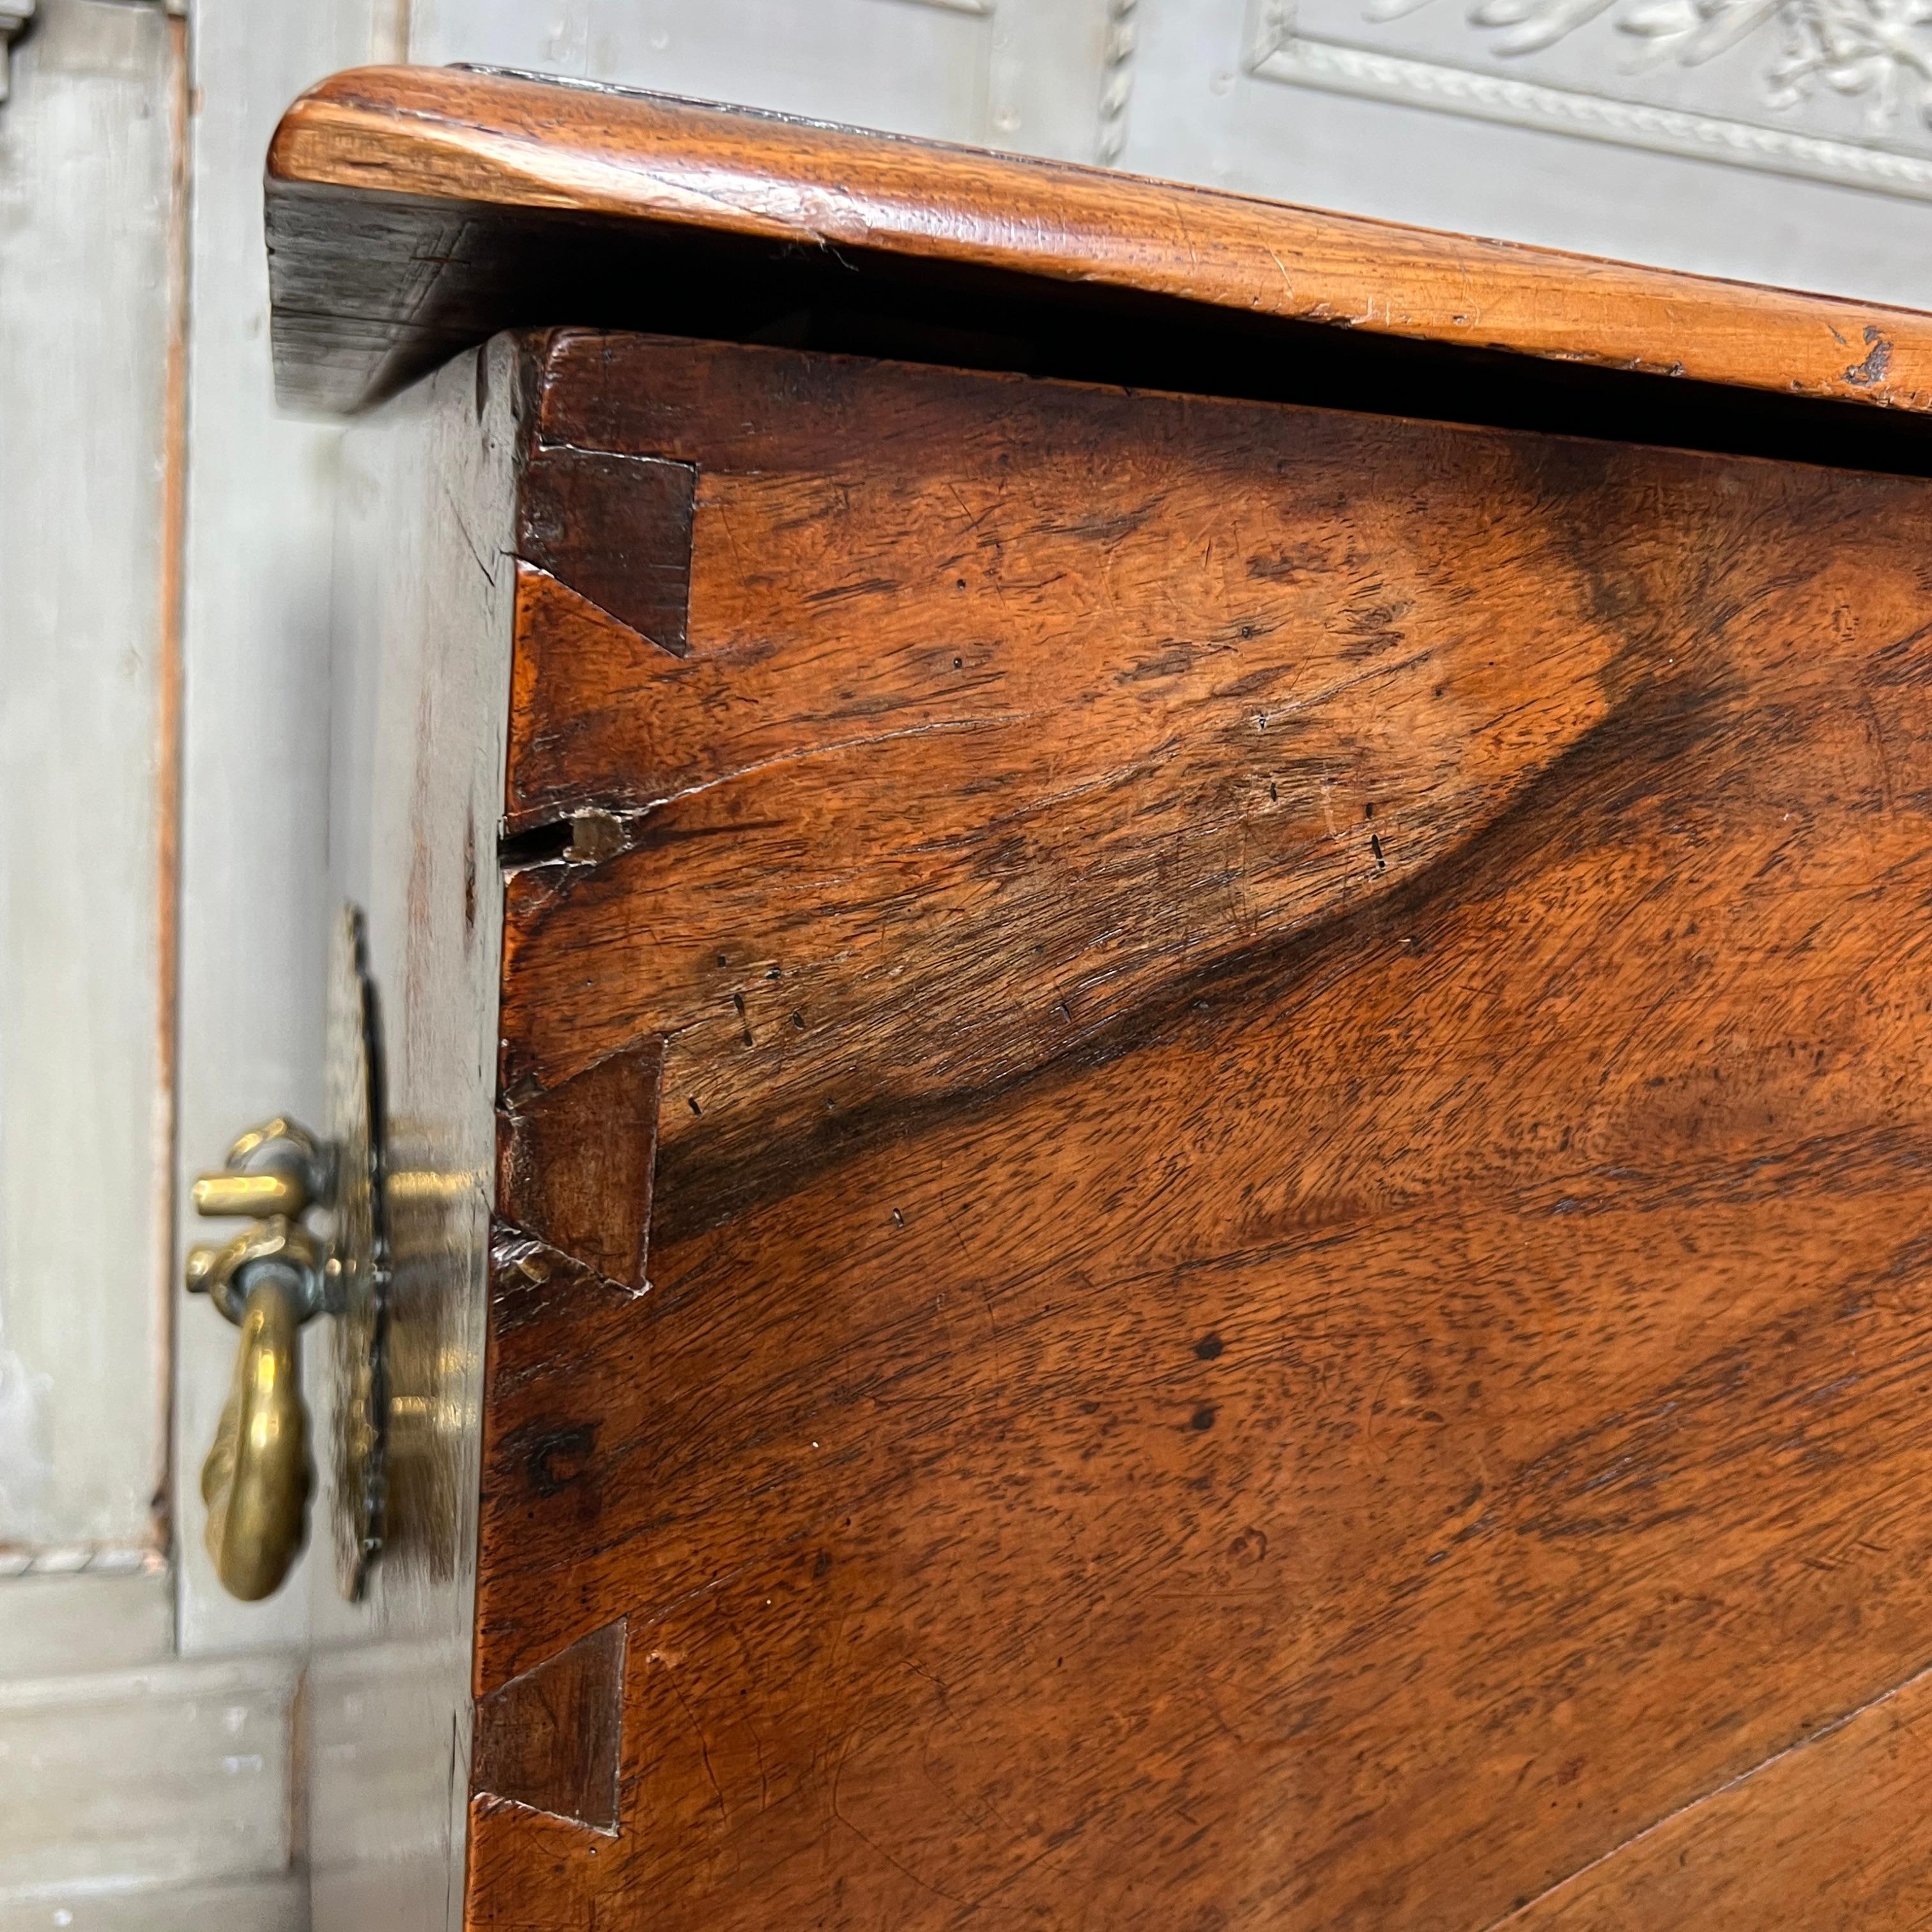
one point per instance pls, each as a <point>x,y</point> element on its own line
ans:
<point>256,1480</point>
<point>268,1279</point>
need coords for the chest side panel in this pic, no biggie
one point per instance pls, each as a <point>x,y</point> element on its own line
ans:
<point>1211,1150</point>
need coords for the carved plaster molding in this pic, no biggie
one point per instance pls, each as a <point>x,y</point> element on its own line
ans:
<point>1284,49</point>
<point>14,15</point>
<point>1879,52</point>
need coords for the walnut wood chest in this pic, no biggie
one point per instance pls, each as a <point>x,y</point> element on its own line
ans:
<point>1155,975</point>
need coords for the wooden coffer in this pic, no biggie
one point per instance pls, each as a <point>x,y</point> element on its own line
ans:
<point>1200,1080</point>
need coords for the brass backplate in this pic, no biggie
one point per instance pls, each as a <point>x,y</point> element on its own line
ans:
<point>359,1295</point>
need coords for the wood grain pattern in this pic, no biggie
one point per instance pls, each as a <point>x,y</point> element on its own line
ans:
<point>1159,641</point>
<point>399,141</point>
<point>1320,1318</point>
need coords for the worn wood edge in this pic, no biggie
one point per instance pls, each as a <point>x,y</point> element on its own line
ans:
<point>423,619</point>
<point>493,141</point>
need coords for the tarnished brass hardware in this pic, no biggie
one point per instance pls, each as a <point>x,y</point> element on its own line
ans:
<point>227,1272</point>
<point>218,1195</point>
<point>274,1274</point>
<point>279,1168</point>
<point>257,1477</point>
<point>268,1280</point>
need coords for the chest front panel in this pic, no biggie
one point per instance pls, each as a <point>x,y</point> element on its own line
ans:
<point>1210,1168</point>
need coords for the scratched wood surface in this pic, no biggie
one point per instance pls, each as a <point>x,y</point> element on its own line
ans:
<point>413,210</point>
<point>1286,1278</point>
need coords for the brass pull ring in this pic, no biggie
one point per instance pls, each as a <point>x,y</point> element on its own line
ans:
<point>314,1239</point>
<point>257,1477</point>
<point>268,1279</point>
